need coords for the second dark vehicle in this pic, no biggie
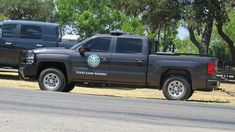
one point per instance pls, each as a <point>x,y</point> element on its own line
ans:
<point>17,35</point>
<point>122,59</point>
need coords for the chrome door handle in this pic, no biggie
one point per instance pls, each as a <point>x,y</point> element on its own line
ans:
<point>39,45</point>
<point>8,43</point>
<point>139,61</point>
<point>104,58</point>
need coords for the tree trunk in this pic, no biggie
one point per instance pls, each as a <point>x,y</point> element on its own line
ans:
<point>201,48</point>
<point>206,36</point>
<point>226,38</point>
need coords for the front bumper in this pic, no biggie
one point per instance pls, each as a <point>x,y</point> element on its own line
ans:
<point>27,72</point>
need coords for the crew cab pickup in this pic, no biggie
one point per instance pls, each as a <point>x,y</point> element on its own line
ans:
<point>119,59</point>
<point>17,35</point>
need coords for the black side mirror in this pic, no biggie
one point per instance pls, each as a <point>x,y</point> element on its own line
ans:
<point>0,33</point>
<point>82,50</point>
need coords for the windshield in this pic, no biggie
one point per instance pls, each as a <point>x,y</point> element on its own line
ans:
<point>76,46</point>
<point>79,44</point>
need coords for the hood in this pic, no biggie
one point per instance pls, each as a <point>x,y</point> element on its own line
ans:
<point>52,50</point>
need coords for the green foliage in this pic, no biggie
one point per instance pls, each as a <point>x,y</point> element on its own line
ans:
<point>218,46</point>
<point>185,46</point>
<point>28,9</point>
<point>159,16</point>
<point>95,16</point>
<point>133,26</point>
<point>2,17</point>
<point>229,26</point>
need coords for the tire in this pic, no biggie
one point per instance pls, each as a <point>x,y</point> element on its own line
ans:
<point>69,87</point>
<point>191,93</point>
<point>52,79</point>
<point>176,88</point>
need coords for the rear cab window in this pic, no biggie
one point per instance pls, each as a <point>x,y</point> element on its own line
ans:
<point>30,32</point>
<point>129,45</point>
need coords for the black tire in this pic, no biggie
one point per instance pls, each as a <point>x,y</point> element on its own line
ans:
<point>191,93</point>
<point>52,79</point>
<point>69,87</point>
<point>176,88</point>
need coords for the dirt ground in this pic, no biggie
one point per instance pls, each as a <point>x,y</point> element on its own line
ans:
<point>225,96</point>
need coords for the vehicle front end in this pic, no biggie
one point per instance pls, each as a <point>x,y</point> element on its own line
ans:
<point>27,65</point>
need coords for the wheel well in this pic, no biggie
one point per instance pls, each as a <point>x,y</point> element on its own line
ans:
<point>175,72</point>
<point>58,65</point>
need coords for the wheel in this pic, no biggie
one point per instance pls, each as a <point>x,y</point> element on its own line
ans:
<point>191,93</point>
<point>176,88</point>
<point>69,87</point>
<point>52,79</point>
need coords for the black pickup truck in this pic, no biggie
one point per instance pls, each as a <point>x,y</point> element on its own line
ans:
<point>17,35</point>
<point>119,59</point>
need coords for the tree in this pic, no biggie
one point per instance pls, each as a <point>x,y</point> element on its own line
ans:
<point>41,10</point>
<point>95,16</point>
<point>225,24</point>
<point>199,16</point>
<point>159,16</point>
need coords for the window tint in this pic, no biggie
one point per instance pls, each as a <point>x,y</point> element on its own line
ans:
<point>98,44</point>
<point>30,32</point>
<point>127,45</point>
<point>9,30</point>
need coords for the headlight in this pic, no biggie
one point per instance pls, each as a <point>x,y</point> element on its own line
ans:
<point>29,57</point>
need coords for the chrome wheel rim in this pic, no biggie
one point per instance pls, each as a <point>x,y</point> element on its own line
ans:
<point>176,88</point>
<point>51,81</point>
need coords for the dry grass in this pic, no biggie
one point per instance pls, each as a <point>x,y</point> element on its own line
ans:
<point>11,80</point>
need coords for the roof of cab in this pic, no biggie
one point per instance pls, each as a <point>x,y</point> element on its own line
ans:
<point>124,35</point>
<point>29,22</point>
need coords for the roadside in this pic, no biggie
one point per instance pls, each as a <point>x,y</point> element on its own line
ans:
<point>226,95</point>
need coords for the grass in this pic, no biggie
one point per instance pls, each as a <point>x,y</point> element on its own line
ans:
<point>226,97</point>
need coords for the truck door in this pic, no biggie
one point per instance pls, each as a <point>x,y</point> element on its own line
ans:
<point>29,37</point>
<point>7,50</point>
<point>94,64</point>
<point>128,62</point>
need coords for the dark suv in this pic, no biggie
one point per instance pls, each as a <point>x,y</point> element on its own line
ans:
<point>17,35</point>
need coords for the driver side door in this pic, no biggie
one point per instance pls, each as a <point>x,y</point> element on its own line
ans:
<point>94,64</point>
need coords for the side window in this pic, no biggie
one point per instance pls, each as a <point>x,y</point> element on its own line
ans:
<point>30,32</point>
<point>127,45</point>
<point>9,31</point>
<point>100,44</point>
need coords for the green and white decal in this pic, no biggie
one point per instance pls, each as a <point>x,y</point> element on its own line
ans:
<point>93,61</point>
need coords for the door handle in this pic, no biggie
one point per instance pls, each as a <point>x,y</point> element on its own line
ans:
<point>104,58</point>
<point>139,61</point>
<point>39,45</point>
<point>8,43</point>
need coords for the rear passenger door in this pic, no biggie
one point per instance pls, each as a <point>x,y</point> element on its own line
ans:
<point>7,50</point>
<point>128,62</point>
<point>29,37</point>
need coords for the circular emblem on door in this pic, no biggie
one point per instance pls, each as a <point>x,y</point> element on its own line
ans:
<point>93,60</point>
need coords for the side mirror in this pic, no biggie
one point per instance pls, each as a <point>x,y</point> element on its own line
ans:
<point>0,33</point>
<point>82,50</point>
